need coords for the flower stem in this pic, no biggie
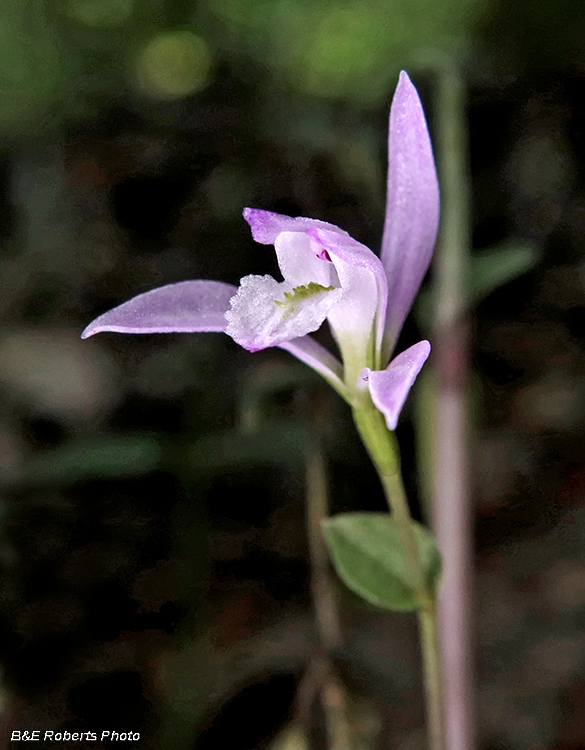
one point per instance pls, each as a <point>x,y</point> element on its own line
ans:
<point>384,452</point>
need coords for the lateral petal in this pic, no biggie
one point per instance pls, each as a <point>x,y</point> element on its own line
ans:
<point>316,356</point>
<point>389,388</point>
<point>184,307</point>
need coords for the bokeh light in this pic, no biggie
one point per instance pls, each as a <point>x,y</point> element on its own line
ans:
<point>99,13</point>
<point>173,64</point>
<point>343,49</point>
<point>345,44</point>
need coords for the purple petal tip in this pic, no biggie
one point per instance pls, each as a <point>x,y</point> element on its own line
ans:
<point>412,205</point>
<point>184,307</point>
<point>389,388</point>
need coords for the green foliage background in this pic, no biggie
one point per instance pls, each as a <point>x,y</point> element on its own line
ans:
<point>152,552</point>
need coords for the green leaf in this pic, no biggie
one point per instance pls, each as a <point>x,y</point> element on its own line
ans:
<point>494,267</point>
<point>367,552</point>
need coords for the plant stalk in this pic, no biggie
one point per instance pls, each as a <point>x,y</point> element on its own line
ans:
<point>384,452</point>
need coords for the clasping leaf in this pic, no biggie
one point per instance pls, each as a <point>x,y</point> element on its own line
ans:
<point>367,552</point>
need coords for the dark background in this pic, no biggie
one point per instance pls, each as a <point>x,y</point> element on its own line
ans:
<point>154,568</point>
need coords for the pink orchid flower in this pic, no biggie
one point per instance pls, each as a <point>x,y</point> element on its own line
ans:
<point>327,275</point>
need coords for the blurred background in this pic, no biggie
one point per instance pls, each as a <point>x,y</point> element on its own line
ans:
<point>154,564</point>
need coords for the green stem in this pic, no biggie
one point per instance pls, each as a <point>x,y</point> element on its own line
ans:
<point>431,654</point>
<point>384,452</point>
<point>451,262</point>
<point>383,449</point>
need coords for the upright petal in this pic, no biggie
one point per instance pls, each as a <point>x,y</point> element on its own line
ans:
<point>299,261</point>
<point>390,387</point>
<point>185,307</point>
<point>361,310</point>
<point>266,225</point>
<point>412,206</point>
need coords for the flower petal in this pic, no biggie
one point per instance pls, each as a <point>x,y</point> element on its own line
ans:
<point>265,312</point>
<point>266,225</point>
<point>362,278</point>
<point>201,306</point>
<point>412,206</point>
<point>185,307</point>
<point>390,387</point>
<point>316,356</point>
<point>300,264</point>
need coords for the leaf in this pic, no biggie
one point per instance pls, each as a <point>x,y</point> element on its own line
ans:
<point>367,552</point>
<point>496,266</point>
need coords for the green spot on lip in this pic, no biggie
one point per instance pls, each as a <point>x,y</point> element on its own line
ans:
<point>300,293</point>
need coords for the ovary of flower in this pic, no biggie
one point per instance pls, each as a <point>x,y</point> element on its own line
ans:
<point>327,275</point>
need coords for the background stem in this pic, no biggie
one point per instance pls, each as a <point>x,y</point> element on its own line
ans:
<point>324,603</point>
<point>320,679</point>
<point>451,503</point>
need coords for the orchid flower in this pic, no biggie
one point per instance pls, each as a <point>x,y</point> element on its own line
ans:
<point>327,275</point>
